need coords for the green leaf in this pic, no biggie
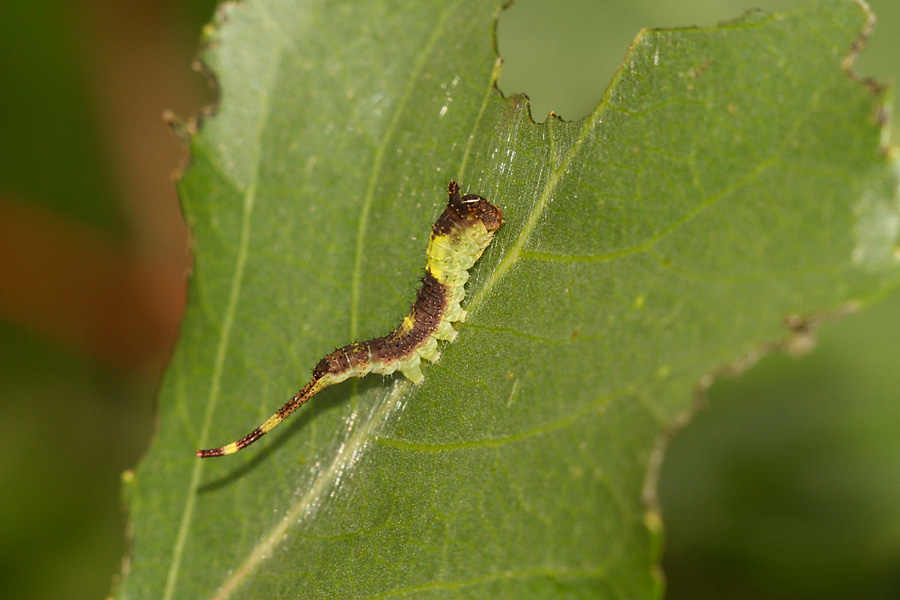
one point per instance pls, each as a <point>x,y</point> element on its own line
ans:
<point>731,177</point>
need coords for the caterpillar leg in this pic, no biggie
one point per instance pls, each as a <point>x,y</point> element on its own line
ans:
<point>455,314</point>
<point>412,370</point>
<point>429,350</point>
<point>445,331</point>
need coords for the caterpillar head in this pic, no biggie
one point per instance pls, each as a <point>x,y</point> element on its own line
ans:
<point>473,207</point>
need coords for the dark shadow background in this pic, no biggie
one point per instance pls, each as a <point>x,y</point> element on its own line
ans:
<point>786,486</point>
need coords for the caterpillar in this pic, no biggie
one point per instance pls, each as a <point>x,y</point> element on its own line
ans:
<point>458,239</point>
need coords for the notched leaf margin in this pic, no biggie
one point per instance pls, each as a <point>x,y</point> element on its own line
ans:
<point>801,337</point>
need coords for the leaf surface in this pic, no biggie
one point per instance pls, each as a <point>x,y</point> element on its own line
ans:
<point>730,177</point>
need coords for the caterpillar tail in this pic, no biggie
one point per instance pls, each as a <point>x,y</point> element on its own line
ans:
<point>311,389</point>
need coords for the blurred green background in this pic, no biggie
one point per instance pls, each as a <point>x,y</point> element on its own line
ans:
<point>787,485</point>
